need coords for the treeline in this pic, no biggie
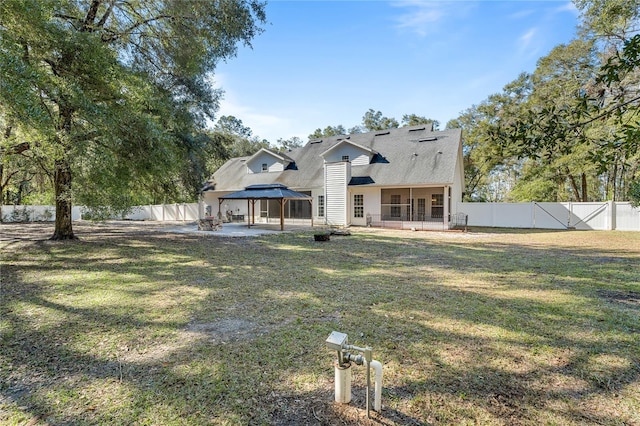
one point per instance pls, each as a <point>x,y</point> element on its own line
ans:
<point>106,104</point>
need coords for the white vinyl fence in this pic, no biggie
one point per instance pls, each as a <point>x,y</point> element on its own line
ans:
<point>166,212</point>
<point>595,215</point>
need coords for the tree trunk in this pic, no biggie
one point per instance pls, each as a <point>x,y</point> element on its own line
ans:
<point>574,186</point>
<point>584,188</point>
<point>62,184</point>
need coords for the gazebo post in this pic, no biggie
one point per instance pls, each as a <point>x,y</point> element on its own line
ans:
<point>253,211</point>
<point>282,201</point>
<point>248,214</point>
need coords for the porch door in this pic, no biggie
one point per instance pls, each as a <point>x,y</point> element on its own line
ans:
<point>422,208</point>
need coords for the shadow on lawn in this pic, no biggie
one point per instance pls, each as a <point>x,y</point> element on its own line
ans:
<point>441,375</point>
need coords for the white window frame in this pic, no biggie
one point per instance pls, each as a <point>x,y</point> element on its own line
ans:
<point>358,205</point>
<point>320,205</point>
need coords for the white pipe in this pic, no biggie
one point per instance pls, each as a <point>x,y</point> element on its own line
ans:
<point>377,377</point>
<point>343,383</point>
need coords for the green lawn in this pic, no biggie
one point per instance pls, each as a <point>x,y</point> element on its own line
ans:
<point>143,327</point>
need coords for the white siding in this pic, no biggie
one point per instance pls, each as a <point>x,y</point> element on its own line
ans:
<point>336,178</point>
<point>357,156</point>
<point>273,164</point>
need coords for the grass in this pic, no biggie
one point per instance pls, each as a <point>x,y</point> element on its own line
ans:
<point>134,326</point>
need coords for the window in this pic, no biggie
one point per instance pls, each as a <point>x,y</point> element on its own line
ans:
<point>345,158</point>
<point>265,167</point>
<point>396,209</point>
<point>358,205</point>
<point>437,205</point>
<point>321,205</point>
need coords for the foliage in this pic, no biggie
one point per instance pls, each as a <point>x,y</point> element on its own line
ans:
<point>116,93</point>
<point>285,145</point>
<point>230,138</point>
<point>634,193</point>
<point>415,120</point>
<point>374,120</point>
<point>328,132</point>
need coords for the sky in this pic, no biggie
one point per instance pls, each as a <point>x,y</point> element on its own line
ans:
<point>321,63</point>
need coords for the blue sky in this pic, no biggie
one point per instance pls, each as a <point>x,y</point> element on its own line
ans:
<point>322,63</point>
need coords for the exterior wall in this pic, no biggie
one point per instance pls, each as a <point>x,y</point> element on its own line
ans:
<point>371,199</point>
<point>317,219</point>
<point>336,179</point>
<point>238,207</point>
<point>273,164</point>
<point>357,156</point>
<point>458,183</point>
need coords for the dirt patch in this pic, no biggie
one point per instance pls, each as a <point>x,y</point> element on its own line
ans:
<point>629,298</point>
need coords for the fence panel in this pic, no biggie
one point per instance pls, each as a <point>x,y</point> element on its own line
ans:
<point>480,214</point>
<point>550,215</point>
<point>590,215</point>
<point>595,215</point>
<point>627,218</point>
<point>191,211</point>
<point>139,213</point>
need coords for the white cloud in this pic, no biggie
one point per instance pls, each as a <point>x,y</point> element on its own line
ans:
<point>421,17</point>
<point>526,43</point>
<point>568,7</point>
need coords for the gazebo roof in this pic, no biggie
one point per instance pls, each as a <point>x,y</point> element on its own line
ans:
<point>266,192</point>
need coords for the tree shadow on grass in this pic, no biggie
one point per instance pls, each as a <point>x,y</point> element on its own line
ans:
<point>210,378</point>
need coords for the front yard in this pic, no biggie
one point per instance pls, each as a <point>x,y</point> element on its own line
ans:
<point>132,325</point>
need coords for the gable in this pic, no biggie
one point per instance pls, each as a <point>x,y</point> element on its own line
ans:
<point>348,151</point>
<point>265,161</point>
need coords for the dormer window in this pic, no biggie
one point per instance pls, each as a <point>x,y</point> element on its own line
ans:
<point>265,167</point>
<point>345,158</point>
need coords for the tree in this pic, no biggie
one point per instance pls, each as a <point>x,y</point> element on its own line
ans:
<point>231,125</point>
<point>115,87</point>
<point>613,20</point>
<point>285,145</point>
<point>328,132</point>
<point>374,120</point>
<point>416,120</point>
<point>231,138</point>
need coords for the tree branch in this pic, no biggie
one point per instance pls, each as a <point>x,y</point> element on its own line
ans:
<point>87,25</point>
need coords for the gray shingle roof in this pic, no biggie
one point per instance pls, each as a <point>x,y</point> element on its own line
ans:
<point>266,192</point>
<point>406,156</point>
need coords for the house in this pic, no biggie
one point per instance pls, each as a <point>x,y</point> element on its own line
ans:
<point>400,177</point>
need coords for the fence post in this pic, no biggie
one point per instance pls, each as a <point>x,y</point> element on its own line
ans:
<point>612,215</point>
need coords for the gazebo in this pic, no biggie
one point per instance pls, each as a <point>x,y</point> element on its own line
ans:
<point>273,191</point>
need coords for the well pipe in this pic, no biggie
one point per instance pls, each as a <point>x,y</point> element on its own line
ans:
<point>377,378</point>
